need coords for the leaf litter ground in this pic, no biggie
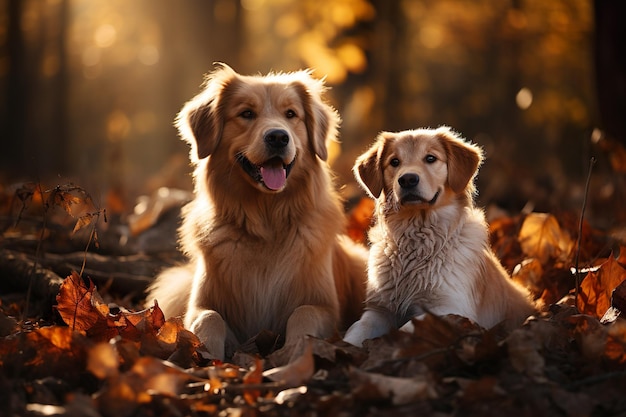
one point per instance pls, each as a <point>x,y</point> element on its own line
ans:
<point>94,358</point>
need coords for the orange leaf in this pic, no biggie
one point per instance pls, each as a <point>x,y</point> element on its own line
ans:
<point>621,259</point>
<point>594,297</point>
<point>298,371</point>
<point>74,303</point>
<point>103,360</point>
<point>541,237</point>
<point>616,342</point>
<point>360,220</point>
<point>83,221</point>
<point>254,376</point>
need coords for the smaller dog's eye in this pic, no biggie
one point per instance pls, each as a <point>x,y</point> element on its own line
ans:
<point>290,114</point>
<point>247,114</point>
<point>394,162</point>
<point>430,159</point>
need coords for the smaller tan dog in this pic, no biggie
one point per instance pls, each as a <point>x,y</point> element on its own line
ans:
<point>430,249</point>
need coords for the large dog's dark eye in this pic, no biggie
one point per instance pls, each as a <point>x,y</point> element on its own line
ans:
<point>394,162</point>
<point>430,159</point>
<point>247,114</point>
<point>290,114</point>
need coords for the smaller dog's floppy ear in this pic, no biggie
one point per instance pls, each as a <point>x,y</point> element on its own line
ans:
<point>321,120</point>
<point>463,159</point>
<point>201,121</point>
<point>368,170</point>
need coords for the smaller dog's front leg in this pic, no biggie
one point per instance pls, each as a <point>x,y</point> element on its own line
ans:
<point>210,328</point>
<point>373,323</point>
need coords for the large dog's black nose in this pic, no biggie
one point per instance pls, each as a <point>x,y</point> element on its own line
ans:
<point>408,180</point>
<point>276,138</point>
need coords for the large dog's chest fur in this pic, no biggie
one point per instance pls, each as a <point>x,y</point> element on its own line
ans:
<point>252,296</point>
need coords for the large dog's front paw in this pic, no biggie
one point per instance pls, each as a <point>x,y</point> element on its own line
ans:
<point>310,320</point>
<point>210,328</point>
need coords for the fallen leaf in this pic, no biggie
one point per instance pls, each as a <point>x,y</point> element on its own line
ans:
<point>74,303</point>
<point>253,377</point>
<point>596,289</point>
<point>374,386</point>
<point>529,274</point>
<point>503,236</point>
<point>590,336</point>
<point>541,237</point>
<point>360,219</point>
<point>524,354</point>
<point>615,349</point>
<point>103,360</point>
<point>296,372</point>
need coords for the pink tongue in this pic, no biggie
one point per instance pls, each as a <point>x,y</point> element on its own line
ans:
<point>274,177</point>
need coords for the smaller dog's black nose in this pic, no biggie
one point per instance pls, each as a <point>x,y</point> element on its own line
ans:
<point>276,138</point>
<point>408,180</point>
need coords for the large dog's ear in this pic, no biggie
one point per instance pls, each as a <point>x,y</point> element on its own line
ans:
<point>368,168</point>
<point>463,159</point>
<point>321,120</point>
<point>201,121</point>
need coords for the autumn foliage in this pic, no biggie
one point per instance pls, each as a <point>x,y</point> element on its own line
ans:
<point>95,357</point>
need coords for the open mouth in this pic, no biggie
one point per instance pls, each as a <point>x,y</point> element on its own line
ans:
<point>418,199</point>
<point>272,173</point>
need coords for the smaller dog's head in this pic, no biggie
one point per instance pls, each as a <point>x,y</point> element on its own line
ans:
<point>420,169</point>
<point>263,129</point>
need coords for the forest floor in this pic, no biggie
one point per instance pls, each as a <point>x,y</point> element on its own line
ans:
<point>75,339</point>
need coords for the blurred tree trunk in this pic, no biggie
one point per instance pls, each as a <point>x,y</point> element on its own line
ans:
<point>17,95</point>
<point>36,100</point>
<point>389,62</point>
<point>610,55</point>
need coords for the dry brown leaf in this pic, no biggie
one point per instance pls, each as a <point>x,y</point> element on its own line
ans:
<point>103,360</point>
<point>616,342</point>
<point>523,348</point>
<point>541,237</point>
<point>298,371</point>
<point>594,297</point>
<point>125,392</point>
<point>374,386</point>
<point>360,220</point>
<point>503,233</point>
<point>253,377</point>
<point>49,351</point>
<point>529,274</point>
<point>590,336</point>
<point>152,374</point>
<point>84,221</point>
<point>74,303</point>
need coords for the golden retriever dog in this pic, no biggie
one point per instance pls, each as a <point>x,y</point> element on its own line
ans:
<point>430,250</point>
<point>263,233</point>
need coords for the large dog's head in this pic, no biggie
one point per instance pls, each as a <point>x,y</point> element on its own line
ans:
<point>421,169</point>
<point>260,127</point>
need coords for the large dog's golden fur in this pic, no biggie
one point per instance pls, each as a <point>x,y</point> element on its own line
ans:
<point>430,249</point>
<point>264,231</point>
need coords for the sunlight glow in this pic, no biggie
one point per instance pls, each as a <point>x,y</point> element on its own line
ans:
<point>524,98</point>
<point>288,25</point>
<point>105,36</point>
<point>252,5</point>
<point>148,55</point>
<point>431,36</point>
<point>91,56</point>
<point>352,57</point>
<point>118,126</point>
